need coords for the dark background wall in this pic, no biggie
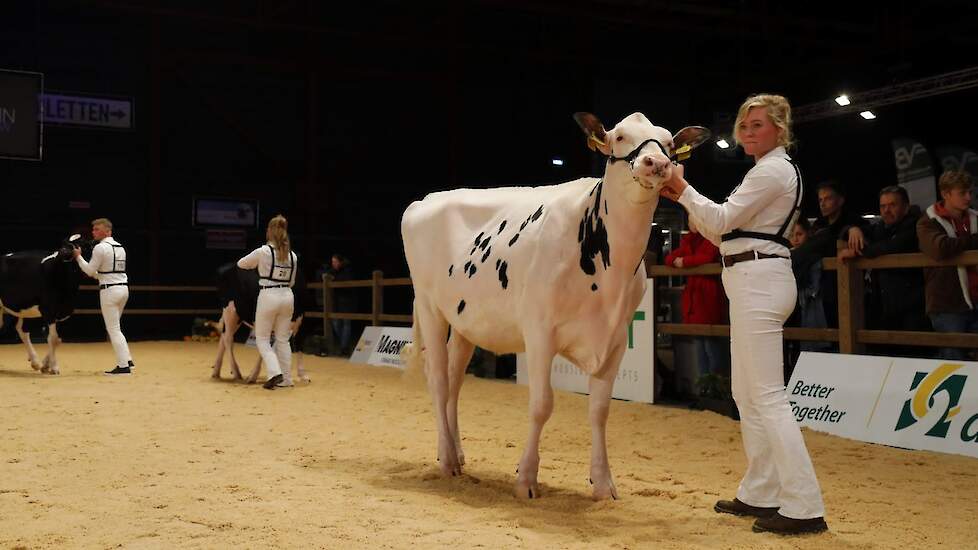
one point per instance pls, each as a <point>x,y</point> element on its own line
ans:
<point>339,115</point>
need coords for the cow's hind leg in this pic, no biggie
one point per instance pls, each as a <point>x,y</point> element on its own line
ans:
<point>25,337</point>
<point>434,332</point>
<point>600,387</point>
<point>51,360</point>
<point>540,356</point>
<point>459,354</point>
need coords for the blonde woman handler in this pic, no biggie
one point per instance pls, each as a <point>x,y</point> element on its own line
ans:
<point>750,227</point>
<point>108,265</point>
<point>277,265</point>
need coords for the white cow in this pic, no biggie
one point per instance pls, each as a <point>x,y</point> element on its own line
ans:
<point>541,270</point>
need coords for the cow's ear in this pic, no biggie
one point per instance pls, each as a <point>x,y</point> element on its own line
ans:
<point>694,136</point>
<point>597,137</point>
<point>74,237</point>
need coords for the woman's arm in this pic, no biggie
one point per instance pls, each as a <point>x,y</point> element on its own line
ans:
<point>251,260</point>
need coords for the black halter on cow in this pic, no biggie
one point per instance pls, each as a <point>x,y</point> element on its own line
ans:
<point>41,284</point>
<point>237,291</point>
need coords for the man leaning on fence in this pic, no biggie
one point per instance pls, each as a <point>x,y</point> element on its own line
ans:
<point>948,229</point>
<point>896,300</point>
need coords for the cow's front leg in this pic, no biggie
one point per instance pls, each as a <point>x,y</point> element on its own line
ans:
<point>253,376</point>
<point>540,356</point>
<point>25,337</point>
<point>434,335</point>
<point>51,359</point>
<point>600,387</point>
<point>459,354</point>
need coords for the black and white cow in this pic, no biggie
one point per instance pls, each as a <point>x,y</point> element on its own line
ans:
<point>38,284</point>
<point>542,270</point>
<point>237,291</point>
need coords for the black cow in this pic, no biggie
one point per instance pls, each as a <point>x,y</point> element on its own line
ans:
<point>38,284</point>
<point>237,291</point>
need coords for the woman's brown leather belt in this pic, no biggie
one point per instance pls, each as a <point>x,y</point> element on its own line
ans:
<point>748,256</point>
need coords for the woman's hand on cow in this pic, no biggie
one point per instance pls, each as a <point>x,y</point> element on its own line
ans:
<point>76,252</point>
<point>673,187</point>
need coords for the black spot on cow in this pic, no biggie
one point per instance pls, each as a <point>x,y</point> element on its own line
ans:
<point>461,306</point>
<point>593,287</point>
<point>486,255</point>
<point>471,270</point>
<point>605,208</point>
<point>593,188</point>
<point>479,238</point>
<point>450,268</point>
<point>536,215</point>
<point>485,243</point>
<point>501,226</point>
<point>497,263</point>
<point>466,268</point>
<point>471,252</point>
<point>513,240</point>
<point>593,236</point>
<point>502,275</point>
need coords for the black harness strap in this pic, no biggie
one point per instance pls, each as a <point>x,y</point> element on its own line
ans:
<point>779,236</point>
<point>115,264</point>
<point>271,270</point>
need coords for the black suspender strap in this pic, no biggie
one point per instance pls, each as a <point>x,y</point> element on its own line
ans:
<point>271,270</point>
<point>114,261</point>
<point>779,236</point>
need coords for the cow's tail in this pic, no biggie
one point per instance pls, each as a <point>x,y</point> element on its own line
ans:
<point>413,353</point>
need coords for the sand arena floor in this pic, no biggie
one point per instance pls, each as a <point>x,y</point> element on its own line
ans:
<point>169,458</point>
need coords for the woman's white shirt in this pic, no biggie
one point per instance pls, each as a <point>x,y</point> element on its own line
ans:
<point>262,259</point>
<point>761,203</point>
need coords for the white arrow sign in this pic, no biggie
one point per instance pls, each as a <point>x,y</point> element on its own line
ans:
<point>76,110</point>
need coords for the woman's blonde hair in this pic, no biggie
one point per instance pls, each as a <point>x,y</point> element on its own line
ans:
<point>778,110</point>
<point>278,235</point>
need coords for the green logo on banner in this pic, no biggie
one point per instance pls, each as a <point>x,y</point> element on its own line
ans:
<point>925,386</point>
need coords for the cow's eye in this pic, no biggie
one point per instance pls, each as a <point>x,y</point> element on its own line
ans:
<point>619,138</point>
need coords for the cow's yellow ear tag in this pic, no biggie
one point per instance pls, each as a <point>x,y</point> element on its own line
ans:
<point>594,138</point>
<point>683,152</point>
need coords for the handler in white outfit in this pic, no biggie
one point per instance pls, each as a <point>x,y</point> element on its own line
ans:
<point>277,266</point>
<point>779,487</point>
<point>108,265</point>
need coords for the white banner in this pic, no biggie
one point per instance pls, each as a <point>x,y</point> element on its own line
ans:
<point>909,403</point>
<point>635,376</point>
<point>382,346</point>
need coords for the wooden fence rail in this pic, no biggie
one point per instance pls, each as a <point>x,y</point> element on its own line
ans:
<point>851,334</point>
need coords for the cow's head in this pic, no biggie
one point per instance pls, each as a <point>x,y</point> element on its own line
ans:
<point>645,150</point>
<point>68,245</point>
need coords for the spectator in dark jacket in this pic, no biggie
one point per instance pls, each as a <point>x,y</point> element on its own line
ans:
<point>345,301</point>
<point>834,219</point>
<point>897,301</point>
<point>948,229</point>
<point>702,301</point>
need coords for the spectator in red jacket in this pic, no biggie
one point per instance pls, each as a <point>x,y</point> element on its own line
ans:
<point>703,301</point>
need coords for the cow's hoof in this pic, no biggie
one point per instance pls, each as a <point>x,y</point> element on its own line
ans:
<point>36,365</point>
<point>450,468</point>
<point>526,490</point>
<point>603,491</point>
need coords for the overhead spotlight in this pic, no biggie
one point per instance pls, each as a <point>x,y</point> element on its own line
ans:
<point>842,100</point>
<point>665,231</point>
<point>869,216</point>
<point>868,115</point>
<point>557,162</point>
<point>722,143</point>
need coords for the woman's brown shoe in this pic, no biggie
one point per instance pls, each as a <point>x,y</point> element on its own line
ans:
<point>738,508</point>
<point>788,526</point>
